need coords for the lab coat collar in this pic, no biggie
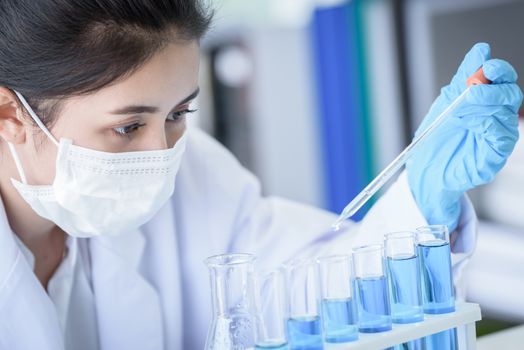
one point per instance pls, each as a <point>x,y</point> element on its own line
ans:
<point>128,307</point>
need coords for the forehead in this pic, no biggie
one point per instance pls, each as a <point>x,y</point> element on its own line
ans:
<point>167,77</point>
<point>172,70</point>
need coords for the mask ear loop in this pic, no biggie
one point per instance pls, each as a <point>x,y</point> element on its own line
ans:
<point>35,117</point>
<point>17,163</point>
<point>41,125</point>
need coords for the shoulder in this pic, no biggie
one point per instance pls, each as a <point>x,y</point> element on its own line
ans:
<point>209,166</point>
<point>205,151</point>
<point>212,191</point>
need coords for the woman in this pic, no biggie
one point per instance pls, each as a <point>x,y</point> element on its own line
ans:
<point>101,248</point>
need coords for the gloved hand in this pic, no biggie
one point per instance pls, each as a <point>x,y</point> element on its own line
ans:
<point>472,145</point>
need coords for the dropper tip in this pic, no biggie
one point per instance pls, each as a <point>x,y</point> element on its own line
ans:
<point>336,225</point>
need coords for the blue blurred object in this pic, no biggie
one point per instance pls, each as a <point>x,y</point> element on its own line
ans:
<point>343,124</point>
<point>473,144</point>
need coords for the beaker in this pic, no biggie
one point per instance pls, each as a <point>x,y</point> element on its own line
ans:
<point>234,312</point>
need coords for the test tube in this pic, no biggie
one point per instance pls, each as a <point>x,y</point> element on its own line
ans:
<point>438,295</point>
<point>337,303</point>
<point>434,252</point>
<point>270,304</point>
<point>303,326</point>
<point>404,277</point>
<point>374,311</point>
<point>445,340</point>
<point>403,272</point>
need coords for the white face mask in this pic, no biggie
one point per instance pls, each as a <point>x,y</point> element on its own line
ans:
<point>99,193</point>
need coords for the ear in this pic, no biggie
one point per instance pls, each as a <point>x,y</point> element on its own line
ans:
<point>12,127</point>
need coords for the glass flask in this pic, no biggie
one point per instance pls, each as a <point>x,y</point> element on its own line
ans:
<point>234,312</point>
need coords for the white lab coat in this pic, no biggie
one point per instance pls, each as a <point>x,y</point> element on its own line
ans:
<point>151,288</point>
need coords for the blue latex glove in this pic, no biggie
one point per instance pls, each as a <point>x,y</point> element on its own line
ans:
<point>472,145</point>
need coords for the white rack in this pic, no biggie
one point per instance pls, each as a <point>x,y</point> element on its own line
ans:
<point>464,317</point>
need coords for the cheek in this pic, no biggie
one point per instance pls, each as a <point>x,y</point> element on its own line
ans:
<point>49,165</point>
<point>40,163</point>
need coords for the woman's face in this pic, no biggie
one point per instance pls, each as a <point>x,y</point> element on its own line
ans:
<point>145,111</point>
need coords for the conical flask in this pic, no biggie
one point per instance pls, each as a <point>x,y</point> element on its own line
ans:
<point>234,314</point>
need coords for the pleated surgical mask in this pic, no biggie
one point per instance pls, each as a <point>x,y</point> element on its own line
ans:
<point>98,193</point>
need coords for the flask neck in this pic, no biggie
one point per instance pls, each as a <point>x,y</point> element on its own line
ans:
<point>232,284</point>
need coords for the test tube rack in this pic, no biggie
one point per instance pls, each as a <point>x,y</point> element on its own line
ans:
<point>464,318</point>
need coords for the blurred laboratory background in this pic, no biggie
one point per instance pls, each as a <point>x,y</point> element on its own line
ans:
<point>317,96</point>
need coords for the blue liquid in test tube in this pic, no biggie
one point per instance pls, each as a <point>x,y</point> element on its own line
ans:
<point>340,320</point>
<point>374,309</point>
<point>446,340</point>
<point>418,344</point>
<point>304,333</point>
<point>437,283</point>
<point>272,346</point>
<point>404,273</point>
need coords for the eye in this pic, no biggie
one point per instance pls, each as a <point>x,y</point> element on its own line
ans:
<point>177,115</point>
<point>127,129</point>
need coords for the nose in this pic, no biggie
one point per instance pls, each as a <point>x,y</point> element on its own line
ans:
<point>162,137</point>
<point>174,134</point>
<point>155,139</point>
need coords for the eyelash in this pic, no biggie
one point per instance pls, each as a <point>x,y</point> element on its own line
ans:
<point>131,128</point>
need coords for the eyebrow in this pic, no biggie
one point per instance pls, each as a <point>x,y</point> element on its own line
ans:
<point>137,109</point>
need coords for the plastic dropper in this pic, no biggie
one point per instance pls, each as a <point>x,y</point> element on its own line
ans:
<point>378,182</point>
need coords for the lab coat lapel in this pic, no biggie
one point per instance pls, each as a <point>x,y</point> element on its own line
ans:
<point>161,265</point>
<point>128,307</point>
<point>28,318</point>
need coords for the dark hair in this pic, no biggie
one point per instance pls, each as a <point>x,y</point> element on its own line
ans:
<point>51,49</point>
